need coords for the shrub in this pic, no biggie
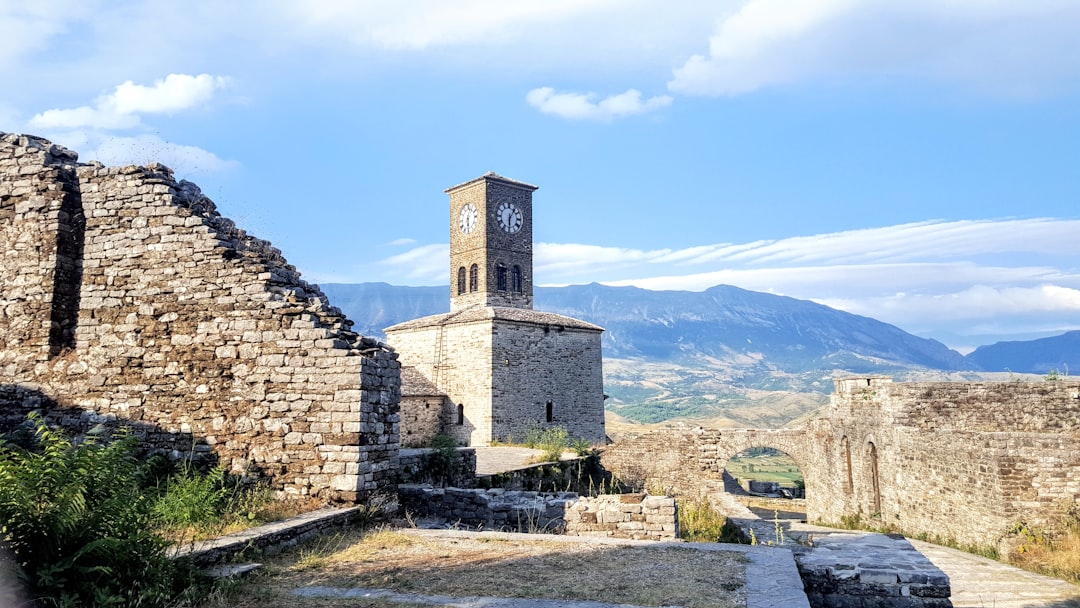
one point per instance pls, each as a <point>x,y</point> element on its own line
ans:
<point>79,525</point>
<point>700,522</point>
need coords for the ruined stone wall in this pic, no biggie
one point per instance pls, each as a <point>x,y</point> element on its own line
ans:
<point>957,461</point>
<point>636,516</point>
<point>164,315</point>
<point>691,461</point>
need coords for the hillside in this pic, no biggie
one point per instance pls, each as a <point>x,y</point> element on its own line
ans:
<point>722,357</point>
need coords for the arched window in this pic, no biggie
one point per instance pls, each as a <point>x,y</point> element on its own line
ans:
<point>500,277</point>
<point>550,411</point>
<point>474,278</point>
<point>461,280</point>
<point>515,278</point>
<point>460,414</point>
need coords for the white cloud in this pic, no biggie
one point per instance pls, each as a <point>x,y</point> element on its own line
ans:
<point>585,107</point>
<point>120,109</point>
<point>146,149</point>
<point>1009,48</point>
<point>401,242</point>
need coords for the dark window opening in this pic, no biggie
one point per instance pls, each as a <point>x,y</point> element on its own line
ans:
<point>500,277</point>
<point>550,411</point>
<point>849,486</point>
<point>460,414</point>
<point>474,278</point>
<point>875,487</point>
<point>461,280</point>
<point>515,278</point>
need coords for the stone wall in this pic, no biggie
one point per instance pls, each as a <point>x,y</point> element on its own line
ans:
<point>958,462</point>
<point>502,366</point>
<point>133,301</point>
<point>637,516</point>
<point>434,467</point>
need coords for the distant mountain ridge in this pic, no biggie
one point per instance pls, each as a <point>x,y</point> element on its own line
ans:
<point>1056,353</point>
<point>721,357</point>
<point>720,322</point>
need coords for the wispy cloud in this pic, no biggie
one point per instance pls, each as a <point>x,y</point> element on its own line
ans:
<point>584,106</point>
<point>1013,49</point>
<point>425,263</point>
<point>401,242</point>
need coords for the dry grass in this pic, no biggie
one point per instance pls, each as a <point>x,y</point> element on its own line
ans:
<point>502,567</point>
<point>1059,558</point>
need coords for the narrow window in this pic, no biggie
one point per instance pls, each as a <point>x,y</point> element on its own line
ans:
<point>550,411</point>
<point>460,414</point>
<point>474,278</point>
<point>876,497</point>
<point>515,278</point>
<point>500,277</point>
<point>845,445</point>
<point>461,280</point>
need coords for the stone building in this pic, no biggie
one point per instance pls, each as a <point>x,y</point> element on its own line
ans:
<point>500,367</point>
<point>127,299</point>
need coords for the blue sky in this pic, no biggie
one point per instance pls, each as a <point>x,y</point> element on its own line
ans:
<point>916,161</point>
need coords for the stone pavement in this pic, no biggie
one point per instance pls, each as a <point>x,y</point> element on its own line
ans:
<point>500,459</point>
<point>978,581</point>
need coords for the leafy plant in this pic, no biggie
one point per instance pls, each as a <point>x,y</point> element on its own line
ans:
<point>79,525</point>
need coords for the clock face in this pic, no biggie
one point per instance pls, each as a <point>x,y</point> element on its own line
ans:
<point>467,219</point>
<point>509,216</point>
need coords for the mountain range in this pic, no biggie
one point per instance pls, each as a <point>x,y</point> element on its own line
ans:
<point>725,355</point>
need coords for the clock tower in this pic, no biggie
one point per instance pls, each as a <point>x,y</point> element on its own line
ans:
<point>491,243</point>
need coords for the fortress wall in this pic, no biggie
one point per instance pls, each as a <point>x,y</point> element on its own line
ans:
<point>202,336</point>
<point>958,461</point>
<point>40,229</point>
<point>534,364</point>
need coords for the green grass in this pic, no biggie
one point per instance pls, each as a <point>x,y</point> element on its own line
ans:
<point>777,467</point>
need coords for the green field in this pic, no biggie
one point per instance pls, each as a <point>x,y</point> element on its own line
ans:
<point>765,465</point>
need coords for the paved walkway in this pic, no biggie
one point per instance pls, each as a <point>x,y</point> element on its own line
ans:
<point>978,581</point>
<point>492,460</point>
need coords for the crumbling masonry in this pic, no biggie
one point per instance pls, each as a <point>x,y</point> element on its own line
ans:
<point>127,298</point>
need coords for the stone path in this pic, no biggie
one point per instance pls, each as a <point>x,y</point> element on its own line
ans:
<point>492,460</point>
<point>978,581</point>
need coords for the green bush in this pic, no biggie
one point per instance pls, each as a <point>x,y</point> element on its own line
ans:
<point>79,524</point>
<point>192,499</point>
<point>552,441</point>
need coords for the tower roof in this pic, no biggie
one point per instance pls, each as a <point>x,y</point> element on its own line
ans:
<point>494,177</point>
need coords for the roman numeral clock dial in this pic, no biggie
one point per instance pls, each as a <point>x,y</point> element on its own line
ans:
<point>509,216</point>
<point>467,219</point>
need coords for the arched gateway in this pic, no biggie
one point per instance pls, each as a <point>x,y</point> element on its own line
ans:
<point>960,461</point>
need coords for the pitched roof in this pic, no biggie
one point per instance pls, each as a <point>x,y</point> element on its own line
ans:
<point>480,314</point>
<point>415,384</point>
